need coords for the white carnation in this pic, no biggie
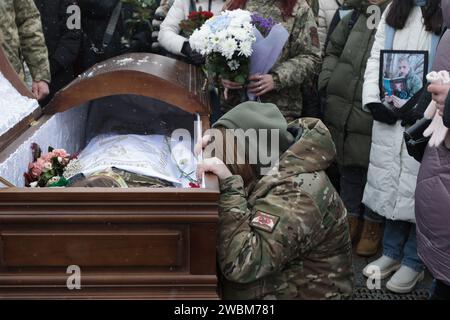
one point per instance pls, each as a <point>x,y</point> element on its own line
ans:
<point>245,48</point>
<point>228,47</point>
<point>240,34</point>
<point>233,65</point>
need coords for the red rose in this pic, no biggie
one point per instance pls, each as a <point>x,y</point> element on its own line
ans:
<point>194,185</point>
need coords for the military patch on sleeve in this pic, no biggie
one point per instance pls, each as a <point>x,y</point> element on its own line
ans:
<point>264,221</point>
<point>314,37</point>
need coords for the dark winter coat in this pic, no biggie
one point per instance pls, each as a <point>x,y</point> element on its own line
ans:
<point>62,43</point>
<point>342,78</point>
<point>95,18</point>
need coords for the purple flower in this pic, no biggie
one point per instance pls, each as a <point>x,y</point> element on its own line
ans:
<point>264,25</point>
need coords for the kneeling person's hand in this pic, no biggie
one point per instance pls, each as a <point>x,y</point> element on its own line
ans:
<point>215,166</point>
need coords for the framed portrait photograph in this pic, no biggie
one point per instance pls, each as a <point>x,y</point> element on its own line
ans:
<point>402,77</point>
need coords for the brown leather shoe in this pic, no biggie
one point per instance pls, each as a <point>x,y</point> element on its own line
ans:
<point>354,224</point>
<point>370,239</point>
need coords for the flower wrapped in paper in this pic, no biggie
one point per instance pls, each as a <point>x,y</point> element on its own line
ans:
<point>270,41</point>
<point>226,40</point>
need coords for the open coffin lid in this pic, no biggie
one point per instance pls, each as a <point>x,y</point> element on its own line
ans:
<point>127,242</point>
<point>18,108</point>
<point>143,91</point>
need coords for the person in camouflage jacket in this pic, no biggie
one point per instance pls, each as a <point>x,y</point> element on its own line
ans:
<point>299,61</point>
<point>23,40</point>
<point>285,235</point>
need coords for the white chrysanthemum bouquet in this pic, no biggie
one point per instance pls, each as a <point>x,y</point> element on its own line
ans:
<point>226,40</point>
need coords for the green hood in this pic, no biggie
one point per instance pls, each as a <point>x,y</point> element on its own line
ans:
<point>362,4</point>
<point>312,151</point>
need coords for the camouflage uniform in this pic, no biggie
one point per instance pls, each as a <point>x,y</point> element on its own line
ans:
<point>413,84</point>
<point>298,62</point>
<point>287,236</point>
<point>23,39</point>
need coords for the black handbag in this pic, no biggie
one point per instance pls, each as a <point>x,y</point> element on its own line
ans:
<point>416,143</point>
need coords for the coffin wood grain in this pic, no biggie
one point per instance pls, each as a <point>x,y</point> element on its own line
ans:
<point>92,249</point>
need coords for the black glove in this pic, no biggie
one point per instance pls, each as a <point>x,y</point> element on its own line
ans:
<point>382,113</point>
<point>141,41</point>
<point>194,57</point>
<point>411,117</point>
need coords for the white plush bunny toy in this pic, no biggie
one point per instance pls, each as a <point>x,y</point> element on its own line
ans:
<point>437,132</point>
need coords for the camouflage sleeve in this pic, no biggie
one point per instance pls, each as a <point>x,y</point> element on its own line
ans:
<point>304,50</point>
<point>250,249</point>
<point>333,53</point>
<point>32,41</point>
<point>314,4</point>
<point>415,85</point>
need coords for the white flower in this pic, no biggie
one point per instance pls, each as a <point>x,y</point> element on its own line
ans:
<point>233,64</point>
<point>228,47</point>
<point>241,34</point>
<point>227,34</point>
<point>47,167</point>
<point>245,49</point>
<point>34,184</point>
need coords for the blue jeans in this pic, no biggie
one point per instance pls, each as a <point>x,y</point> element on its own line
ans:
<point>400,243</point>
<point>353,181</point>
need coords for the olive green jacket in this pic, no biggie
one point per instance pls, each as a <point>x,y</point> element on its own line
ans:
<point>342,79</point>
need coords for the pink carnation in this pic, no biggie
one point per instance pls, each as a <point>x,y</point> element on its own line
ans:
<point>36,168</point>
<point>47,157</point>
<point>60,153</point>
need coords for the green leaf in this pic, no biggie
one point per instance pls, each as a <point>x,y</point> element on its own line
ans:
<point>240,79</point>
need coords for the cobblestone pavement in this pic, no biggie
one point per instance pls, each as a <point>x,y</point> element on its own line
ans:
<point>363,293</point>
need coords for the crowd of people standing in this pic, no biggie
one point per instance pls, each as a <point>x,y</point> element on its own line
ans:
<point>331,65</point>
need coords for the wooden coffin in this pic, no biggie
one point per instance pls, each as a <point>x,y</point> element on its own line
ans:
<point>128,243</point>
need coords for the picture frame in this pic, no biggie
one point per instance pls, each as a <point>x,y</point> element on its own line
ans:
<point>402,76</point>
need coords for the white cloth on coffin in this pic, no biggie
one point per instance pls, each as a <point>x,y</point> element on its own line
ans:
<point>148,155</point>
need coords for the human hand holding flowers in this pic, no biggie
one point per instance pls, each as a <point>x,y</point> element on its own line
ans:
<point>261,84</point>
<point>230,85</point>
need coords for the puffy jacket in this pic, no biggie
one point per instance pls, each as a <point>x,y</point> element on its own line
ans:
<point>432,212</point>
<point>342,78</point>
<point>327,9</point>
<point>392,174</point>
<point>169,37</point>
<point>433,187</point>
